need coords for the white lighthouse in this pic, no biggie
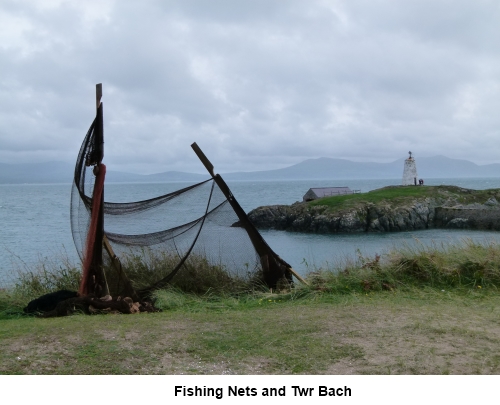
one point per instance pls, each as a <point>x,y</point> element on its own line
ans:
<point>410,172</point>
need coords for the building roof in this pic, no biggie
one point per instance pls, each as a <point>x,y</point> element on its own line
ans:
<point>320,192</point>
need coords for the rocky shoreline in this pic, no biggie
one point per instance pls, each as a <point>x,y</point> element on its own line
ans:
<point>446,209</point>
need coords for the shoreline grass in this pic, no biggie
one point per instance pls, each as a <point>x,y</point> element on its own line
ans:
<point>466,267</point>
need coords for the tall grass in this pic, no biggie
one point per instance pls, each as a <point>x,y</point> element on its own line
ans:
<point>41,278</point>
<point>197,275</point>
<point>465,267</point>
<point>468,265</point>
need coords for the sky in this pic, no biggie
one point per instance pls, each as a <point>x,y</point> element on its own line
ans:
<point>258,84</point>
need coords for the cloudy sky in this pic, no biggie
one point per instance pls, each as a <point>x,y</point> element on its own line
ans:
<point>258,84</point>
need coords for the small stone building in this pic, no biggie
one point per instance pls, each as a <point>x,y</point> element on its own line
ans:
<point>320,192</point>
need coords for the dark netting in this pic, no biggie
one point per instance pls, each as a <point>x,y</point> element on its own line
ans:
<point>157,239</point>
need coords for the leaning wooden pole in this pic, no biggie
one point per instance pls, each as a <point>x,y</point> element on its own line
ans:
<point>273,267</point>
<point>93,278</point>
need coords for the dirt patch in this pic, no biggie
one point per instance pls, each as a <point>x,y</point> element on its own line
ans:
<point>182,364</point>
<point>420,341</point>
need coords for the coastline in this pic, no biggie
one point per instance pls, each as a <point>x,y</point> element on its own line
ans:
<point>390,209</point>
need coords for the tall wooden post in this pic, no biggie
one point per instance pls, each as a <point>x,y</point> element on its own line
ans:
<point>98,95</point>
<point>100,282</point>
<point>93,277</point>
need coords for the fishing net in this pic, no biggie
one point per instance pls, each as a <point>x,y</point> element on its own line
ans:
<point>149,243</point>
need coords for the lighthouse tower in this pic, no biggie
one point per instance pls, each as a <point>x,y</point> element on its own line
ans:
<point>410,172</point>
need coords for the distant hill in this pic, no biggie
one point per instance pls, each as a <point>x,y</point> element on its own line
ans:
<point>329,168</point>
<point>49,172</point>
<point>60,172</point>
<point>324,169</point>
<point>165,177</point>
<point>311,169</point>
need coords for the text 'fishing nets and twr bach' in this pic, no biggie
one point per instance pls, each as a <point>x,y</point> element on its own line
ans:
<point>157,239</point>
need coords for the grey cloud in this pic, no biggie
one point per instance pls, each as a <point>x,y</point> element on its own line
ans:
<point>259,84</point>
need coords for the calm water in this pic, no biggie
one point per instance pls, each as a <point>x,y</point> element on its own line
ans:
<point>35,224</point>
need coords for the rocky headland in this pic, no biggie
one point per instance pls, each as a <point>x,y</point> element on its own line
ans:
<point>389,209</point>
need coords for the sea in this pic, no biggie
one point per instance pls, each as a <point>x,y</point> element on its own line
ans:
<point>35,223</point>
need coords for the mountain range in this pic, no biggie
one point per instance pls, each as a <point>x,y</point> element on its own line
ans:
<point>311,169</point>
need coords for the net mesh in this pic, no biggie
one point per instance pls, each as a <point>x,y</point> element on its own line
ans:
<point>156,239</point>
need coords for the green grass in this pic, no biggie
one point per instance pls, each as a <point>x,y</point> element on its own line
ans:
<point>197,275</point>
<point>466,266</point>
<point>376,196</point>
<point>402,194</point>
<point>374,333</point>
<point>43,278</point>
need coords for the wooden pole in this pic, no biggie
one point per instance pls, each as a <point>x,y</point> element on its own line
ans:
<point>260,245</point>
<point>93,277</point>
<point>98,95</point>
<point>209,166</point>
<point>297,276</point>
<point>101,285</point>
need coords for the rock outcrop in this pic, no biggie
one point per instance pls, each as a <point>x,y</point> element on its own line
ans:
<point>386,216</point>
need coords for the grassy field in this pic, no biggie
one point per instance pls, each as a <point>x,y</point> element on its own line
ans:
<point>402,194</point>
<point>416,332</point>
<point>420,311</point>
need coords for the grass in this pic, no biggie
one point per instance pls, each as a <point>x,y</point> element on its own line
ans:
<point>417,310</point>
<point>197,275</point>
<point>466,266</point>
<point>402,194</point>
<point>415,332</point>
<point>43,278</point>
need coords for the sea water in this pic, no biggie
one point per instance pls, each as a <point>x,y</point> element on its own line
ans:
<point>35,222</point>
